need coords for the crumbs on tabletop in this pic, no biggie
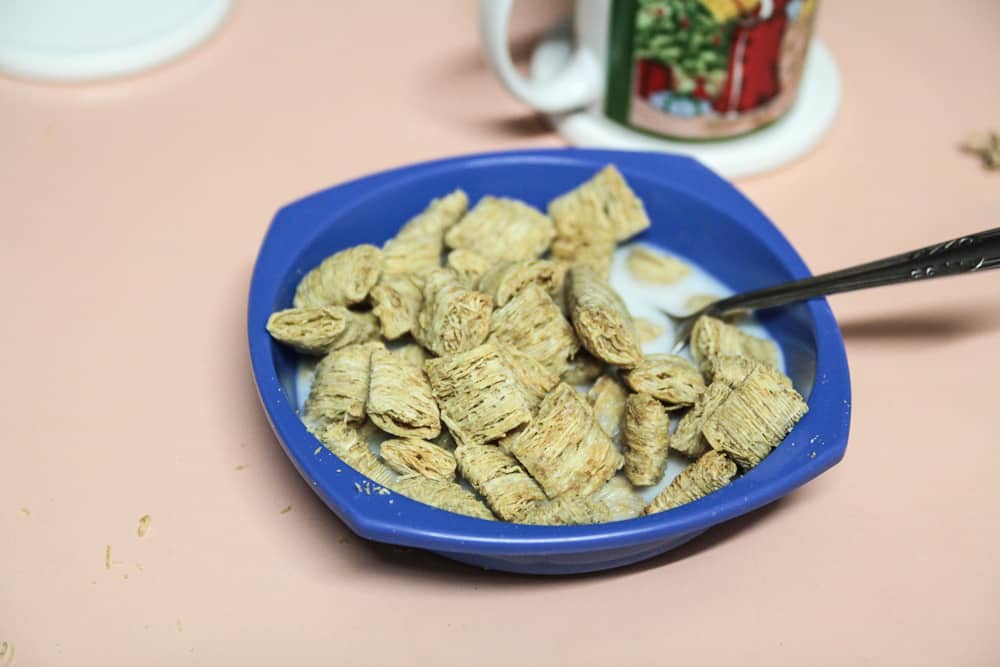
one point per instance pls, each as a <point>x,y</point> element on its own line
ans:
<point>286,509</point>
<point>242,466</point>
<point>6,653</point>
<point>986,145</point>
<point>25,511</point>
<point>144,521</point>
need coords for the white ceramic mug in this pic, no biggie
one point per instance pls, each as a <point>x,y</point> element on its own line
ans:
<point>683,69</point>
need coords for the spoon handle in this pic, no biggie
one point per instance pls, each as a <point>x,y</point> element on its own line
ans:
<point>968,254</point>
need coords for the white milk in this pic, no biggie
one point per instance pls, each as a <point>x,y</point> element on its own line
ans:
<point>643,300</point>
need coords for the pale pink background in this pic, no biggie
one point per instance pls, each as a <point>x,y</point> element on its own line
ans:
<point>130,215</point>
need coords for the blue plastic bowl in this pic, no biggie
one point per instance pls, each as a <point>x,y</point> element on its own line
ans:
<point>694,212</point>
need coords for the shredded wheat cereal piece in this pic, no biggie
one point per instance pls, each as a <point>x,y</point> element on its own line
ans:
<point>734,370</point>
<point>711,337</point>
<point>647,439</point>
<point>592,248</point>
<point>340,386</point>
<point>650,266</point>
<point>709,473</point>
<point>532,323</point>
<point>447,496</point>
<point>514,496</point>
<point>507,279</point>
<point>727,373</point>
<point>534,379</point>
<point>319,330</point>
<point>502,229</point>
<point>507,489</point>
<point>342,279</point>
<point>668,377</point>
<point>144,522</point>
<point>755,418</point>
<point>412,353</point>
<point>601,320</point>
<point>346,443</point>
<point>608,398</point>
<point>417,248</point>
<point>647,330</point>
<point>615,501</point>
<point>564,448</point>
<point>620,498</point>
<point>604,202</point>
<point>400,399</point>
<point>453,319</point>
<point>412,456</point>
<point>583,369</point>
<point>396,303</point>
<point>479,396</point>
<point>696,302</point>
<point>469,266</point>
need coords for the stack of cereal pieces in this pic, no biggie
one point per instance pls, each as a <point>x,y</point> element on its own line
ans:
<point>471,368</point>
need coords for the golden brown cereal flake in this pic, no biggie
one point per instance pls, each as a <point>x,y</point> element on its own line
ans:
<point>396,302</point>
<point>601,320</point>
<point>532,323</point>
<point>340,386</point>
<point>709,473</point>
<point>583,369</point>
<point>711,338</point>
<point>453,319</point>
<point>647,330</point>
<point>502,229</point>
<point>416,249</point>
<point>534,379</point>
<point>319,330</point>
<point>605,202</point>
<point>564,448</point>
<point>480,399</point>
<point>507,279</point>
<point>346,443</point>
<point>399,398</point>
<point>447,496</point>
<point>468,266</point>
<point>755,418</point>
<point>668,378</point>
<point>342,279</point>
<point>608,398</point>
<point>507,489</point>
<point>647,439</point>
<point>650,266</point>
<point>412,456</point>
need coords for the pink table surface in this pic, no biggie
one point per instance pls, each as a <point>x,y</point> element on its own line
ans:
<point>131,214</point>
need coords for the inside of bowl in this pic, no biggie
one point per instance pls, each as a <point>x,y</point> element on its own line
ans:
<point>682,223</point>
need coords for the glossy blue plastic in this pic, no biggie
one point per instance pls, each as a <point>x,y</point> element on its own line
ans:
<point>694,212</point>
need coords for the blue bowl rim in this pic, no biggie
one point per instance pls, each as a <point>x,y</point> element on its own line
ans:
<point>399,520</point>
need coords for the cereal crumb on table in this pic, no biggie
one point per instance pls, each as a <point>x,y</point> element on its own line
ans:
<point>286,509</point>
<point>143,527</point>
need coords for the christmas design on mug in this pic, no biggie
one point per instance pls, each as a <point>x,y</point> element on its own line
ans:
<point>706,69</point>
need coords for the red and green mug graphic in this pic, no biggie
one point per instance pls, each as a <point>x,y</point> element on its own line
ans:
<point>705,69</point>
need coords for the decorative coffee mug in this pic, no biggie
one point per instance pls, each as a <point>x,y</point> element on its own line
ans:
<point>692,70</point>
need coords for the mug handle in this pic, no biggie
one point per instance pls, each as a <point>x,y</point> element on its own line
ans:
<point>577,85</point>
